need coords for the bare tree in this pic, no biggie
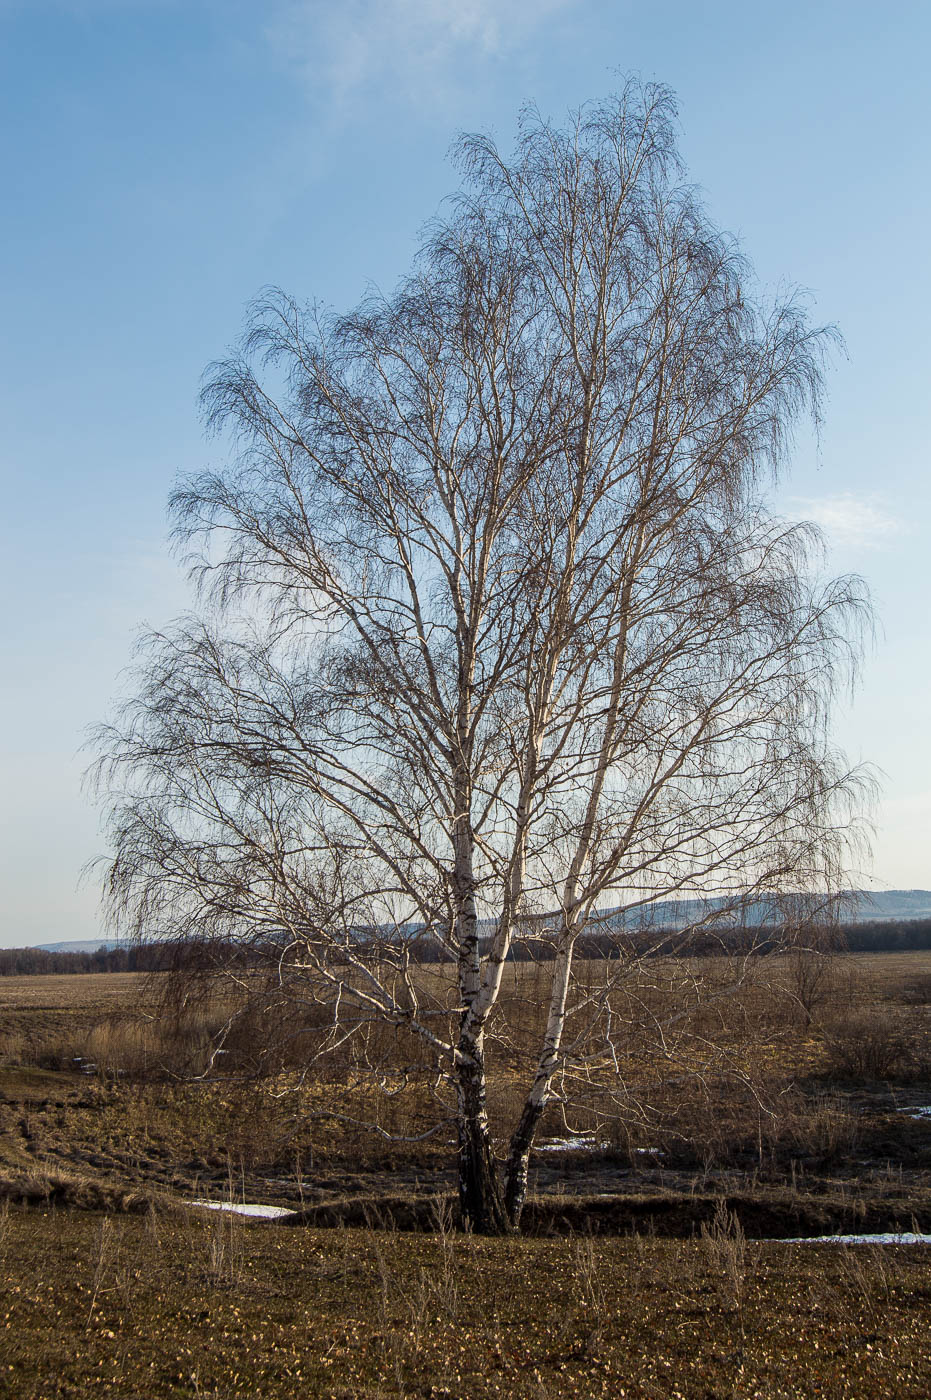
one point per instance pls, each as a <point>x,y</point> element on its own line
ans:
<point>497,628</point>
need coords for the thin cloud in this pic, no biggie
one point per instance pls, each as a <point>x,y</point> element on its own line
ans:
<point>420,47</point>
<point>849,521</point>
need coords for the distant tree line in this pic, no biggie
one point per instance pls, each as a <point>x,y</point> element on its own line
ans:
<point>877,936</point>
<point>30,962</point>
<point>888,936</point>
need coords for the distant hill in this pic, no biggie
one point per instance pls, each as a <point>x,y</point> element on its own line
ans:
<point>83,945</point>
<point>862,906</point>
<point>893,904</point>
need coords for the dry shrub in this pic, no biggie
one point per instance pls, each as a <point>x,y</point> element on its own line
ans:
<point>413,1214</point>
<point>118,1045</point>
<point>868,1045</point>
<point>121,1047</point>
<point>917,991</point>
<point>811,982</point>
<point>113,1272</point>
<point>734,1122</point>
<point>411,1307</point>
<point>220,1249</point>
<point>172,1044</point>
<point>705,1121</point>
<point>54,1050</point>
<point>724,1245</point>
<point>823,1127</point>
<point>46,1187</point>
<point>869,1275</point>
<point>12,1048</point>
<point>590,1293</point>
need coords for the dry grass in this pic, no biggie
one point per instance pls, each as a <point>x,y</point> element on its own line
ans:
<point>746,1076</point>
<point>147,1307</point>
<point>640,1273</point>
<point>97,991</point>
<point>754,1081</point>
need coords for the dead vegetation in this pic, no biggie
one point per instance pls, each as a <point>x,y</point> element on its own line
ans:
<point>192,1305</point>
<point>783,1102</point>
<point>642,1268</point>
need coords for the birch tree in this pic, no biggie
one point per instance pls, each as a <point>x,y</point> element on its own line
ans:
<point>496,630</point>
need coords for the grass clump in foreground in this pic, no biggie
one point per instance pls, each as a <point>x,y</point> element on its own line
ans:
<point>205,1305</point>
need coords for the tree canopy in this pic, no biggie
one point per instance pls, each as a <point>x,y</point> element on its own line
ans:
<point>497,629</point>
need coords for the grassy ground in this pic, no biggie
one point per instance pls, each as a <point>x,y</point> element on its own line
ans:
<point>89,1093</point>
<point>632,1279</point>
<point>208,1306</point>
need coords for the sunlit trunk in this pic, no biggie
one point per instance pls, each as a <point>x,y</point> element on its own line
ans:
<point>522,1139</point>
<point>518,1163</point>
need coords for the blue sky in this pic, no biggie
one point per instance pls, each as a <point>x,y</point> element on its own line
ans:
<point>162,161</point>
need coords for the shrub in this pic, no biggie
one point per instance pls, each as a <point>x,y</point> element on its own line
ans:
<point>867,1046</point>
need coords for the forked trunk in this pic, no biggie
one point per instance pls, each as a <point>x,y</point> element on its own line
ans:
<point>480,1197</point>
<point>522,1138</point>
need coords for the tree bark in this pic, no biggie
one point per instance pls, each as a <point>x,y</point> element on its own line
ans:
<point>480,1198</point>
<point>515,1188</point>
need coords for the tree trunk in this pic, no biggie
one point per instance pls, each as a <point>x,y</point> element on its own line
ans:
<point>522,1138</point>
<point>480,1199</point>
<point>515,1184</point>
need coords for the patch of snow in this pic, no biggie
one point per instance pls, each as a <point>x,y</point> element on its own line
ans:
<point>904,1237</point>
<point>587,1144</point>
<point>573,1144</point>
<point>243,1208</point>
<point>86,1066</point>
<point>923,1111</point>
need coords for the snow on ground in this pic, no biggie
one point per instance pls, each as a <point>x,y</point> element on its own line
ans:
<point>261,1212</point>
<point>916,1112</point>
<point>572,1144</point>
<point>243,1208</point>
<point>904,1237</point>
<point>586,1144</point>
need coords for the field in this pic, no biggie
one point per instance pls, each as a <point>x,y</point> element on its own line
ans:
<point>650,1263</point>
<point>214,1308</point>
